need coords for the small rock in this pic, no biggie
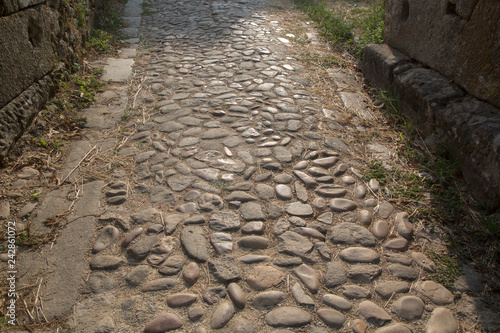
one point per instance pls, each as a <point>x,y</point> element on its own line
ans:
<point>222,315</point>
<point>335,275</point>
<point>354,292</point>
<point>224,269</point>
<point>332,318</point>
<point>421,260</point>
<point>350,233</point>
<point>342,205</point>
<point>395,328</point>
<point>106,262</point>
<point>397,244</point>
<point>137,275</point>
<point>268,299</point>
<point>337,302</point>
<point>386,290</point>
<point>308,276</point>
<point>195,313</point>
<point>194,242</point>
<point>163,322</point>
<point>264,277</point>
<point>107,236</point>
<point>299,209</point>
<point>237,295</point>
<point>438,294</point>
<point>172,265</point>
<point>300,296</point>
<point>403,272</point>
<point>288,317</point>
<point>441,321</point>
<point>253,242</point>
<point>373,313</point>
<point>191,273</point>
<point>409,308</point>
<point>404,227</point>
<point>159,284</point>
<point>222,242</point>
<point>359,255</point>
<point>180,300</point>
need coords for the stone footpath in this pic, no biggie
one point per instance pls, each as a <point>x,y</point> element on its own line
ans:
<point>234,204</point>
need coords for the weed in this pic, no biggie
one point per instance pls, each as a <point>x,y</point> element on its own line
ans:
<point>376,171</point>
<point>371,26</point>
<point>146,9</point>
<point>35,196</point>
<point>101,42</point>
<point>447,269</point>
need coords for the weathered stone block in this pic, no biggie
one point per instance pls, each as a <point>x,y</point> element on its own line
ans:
<point>423,91</point>
<point>26,54</point>
<point>458,38</point>
<point>471,128</point>
<point>379,62</point>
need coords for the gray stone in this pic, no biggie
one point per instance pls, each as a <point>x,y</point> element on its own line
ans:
<point>380,229</point>
<point>364,273</point>
<point>398,258</point>
<point>240,196</point>
<point>140,249</point>
<point>386,290</point>
<point>331,318</point>
<point>330,191</point>
<point>282,154</point>
<point>251,211</point>
<point>395,328</point>
<point>308,276</point>
<point>300,296</point>
<point>337,302</point>
<point>194,242</point>
<point>355,292</point>
<point>264,277</point>
<point>159,284</point>
<point>409,308</point>
<point>438,294</point>
<point>351,234</point>
<point>296,245</point>
<point>105,262</point>
<point>441,321</point>
<point>342,205</point>
<point>172,265</point>
<point>385,209</point>
<point>421,260</point>
<point>225,221</point>
<point>287,317</point>
<point>222,242</point>
<point>196,312</point>
<point>253,242</point>
<point>396,244</point>
<point>171,222</point>
<point>107,237</point>
<point>403,272</point>
<point>373,313</point>
<point>308,181</point>
<point>404,227</point>
<point>268,299</point>
<point>265,192</point>
<point>299,209</point>
<point>336,144</point>
<point>224,269</point>
<point>359,255</point>
<point>191,273</point>
<point>335,275</point>
<point>137,275</point>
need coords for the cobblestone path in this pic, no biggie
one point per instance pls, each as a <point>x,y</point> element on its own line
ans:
<point>242,211</point>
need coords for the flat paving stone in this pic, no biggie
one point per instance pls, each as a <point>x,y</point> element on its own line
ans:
<point>288,317</point>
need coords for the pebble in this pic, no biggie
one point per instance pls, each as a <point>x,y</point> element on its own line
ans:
<point>395,328</point>
<point>308,276</point>
<point>172,265</point>
<point>222,242</point>
<point>264,277</point>
<point>337,302</point>
<point>212,295</point>
<point>180,300</point>
<point>137,275</point>
<point>287,317</point>
<point>268,299</point>
<point>373,313</point>
<point>387,289</point>
<point>299,209</point>
<point>196,312</point>
<point>163,322</point>
<point>191,273</point>
<point>237,295</point>
<point>251,211</point>
<point>441,321</point>
<point>404,227</point>
<point>335,275</point>
<point>140,249</point>
<point>342,205</point>
<point>224,269</point>
<point>159,284</point>
<point>105,262</point>
<point>422,261</point>
<point>130,236</point>
<point>255,227</point>
<point>364,274</point>
<point>331,318</point>
<point>296,245</point>
<point>330,191</point>
<point>351,234</point>
<point>409,308</point>
<point>107,237</point>
<point>397,244</point>
<point>300,296</point>
<point>403,272</point>
<point>253,242</point>
<point>380,229</point>
<point>438,294</point>
<point>194,243</point>
<point>222,315</point>
<point>354,292</point>
<point>359,255</point>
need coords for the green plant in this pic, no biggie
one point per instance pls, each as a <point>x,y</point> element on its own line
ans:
<point>101,42</point>
<point>447,269</point>
<point>376,171</point>
<point>146,9</point>
<point>332,25</point>
<point>370,23</point>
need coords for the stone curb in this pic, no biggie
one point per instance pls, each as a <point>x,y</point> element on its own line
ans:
<point>469,129</point>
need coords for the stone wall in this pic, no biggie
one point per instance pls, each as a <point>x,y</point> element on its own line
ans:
<point>35,37</point>
<point>442,61</point>
<point>458,38</point>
